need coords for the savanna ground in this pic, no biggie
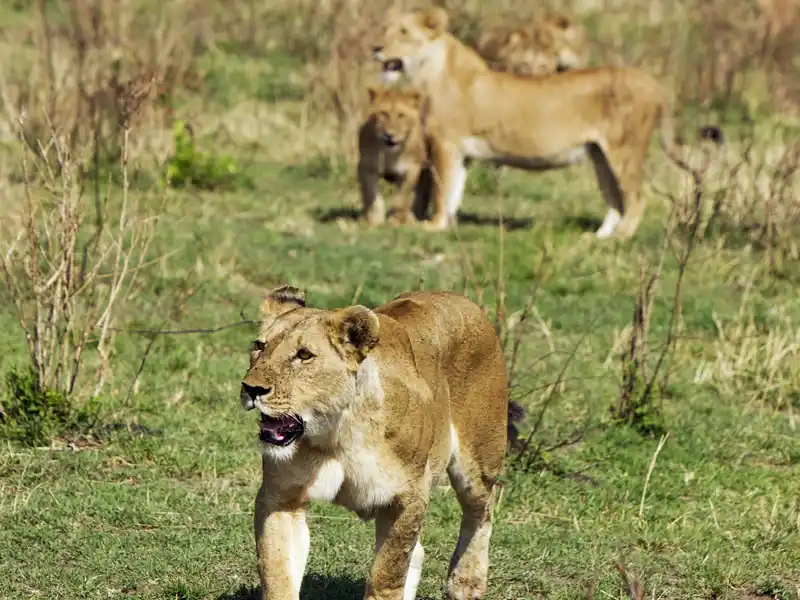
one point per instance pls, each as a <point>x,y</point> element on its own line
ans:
<point>138,480</point>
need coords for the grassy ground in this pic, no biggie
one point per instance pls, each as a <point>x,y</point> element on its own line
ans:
<point>158,503</point>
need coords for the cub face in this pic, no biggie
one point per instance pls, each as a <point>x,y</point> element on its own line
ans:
<point>304,368</point>
<point>397,114</point>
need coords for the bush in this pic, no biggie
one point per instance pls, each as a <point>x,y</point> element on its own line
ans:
<point>190,166</point>
<point>32,415</point>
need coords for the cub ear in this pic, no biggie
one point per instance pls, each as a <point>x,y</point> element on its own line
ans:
<point>414,98</point>
<point>357,329</point>
<point>437,20</point>
<point>279,301</point>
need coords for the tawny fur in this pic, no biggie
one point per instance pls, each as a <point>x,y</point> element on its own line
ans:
<point>392,146</point>
<point>392,399</point>
<point>535,123</point>
<point>554,43</point>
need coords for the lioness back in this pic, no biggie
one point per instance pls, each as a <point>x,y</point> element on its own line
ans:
<point>458,353</point>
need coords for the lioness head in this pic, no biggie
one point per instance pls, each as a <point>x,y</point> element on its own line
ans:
<point>397,114</point>
<point>305,367</point>
<point>408,40</point>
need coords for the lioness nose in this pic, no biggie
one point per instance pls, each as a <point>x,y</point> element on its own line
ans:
<point>256,391</point>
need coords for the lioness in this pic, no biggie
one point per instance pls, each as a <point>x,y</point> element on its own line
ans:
<point>392,146</point>
<point>367,409</point>
<point>553,44</point>
<point>537,123</point>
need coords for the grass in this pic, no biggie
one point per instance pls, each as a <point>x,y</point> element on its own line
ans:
<point>157,502</point>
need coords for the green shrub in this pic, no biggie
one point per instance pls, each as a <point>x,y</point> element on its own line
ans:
<point>35,417</point>
<point>190,166</point>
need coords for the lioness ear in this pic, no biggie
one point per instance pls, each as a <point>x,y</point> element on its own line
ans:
<point>437,20</point>
<point>281,300</point>
<point>358,330</point>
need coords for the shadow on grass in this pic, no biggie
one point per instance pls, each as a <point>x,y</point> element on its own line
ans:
<point>328,215</point>
<point>582,223</point>
<point>315,587</point>
<point>509,223</point>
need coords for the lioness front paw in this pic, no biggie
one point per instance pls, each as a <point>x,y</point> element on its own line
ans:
<point>468,588</point>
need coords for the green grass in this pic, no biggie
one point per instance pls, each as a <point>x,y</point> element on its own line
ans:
<point>161,505</point>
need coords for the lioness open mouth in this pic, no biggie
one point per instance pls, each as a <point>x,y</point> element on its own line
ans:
<point>393,65</point>
<point>281,431</point>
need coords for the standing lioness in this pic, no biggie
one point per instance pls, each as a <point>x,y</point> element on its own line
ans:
<point>535,123</point>
<point>367,409</point>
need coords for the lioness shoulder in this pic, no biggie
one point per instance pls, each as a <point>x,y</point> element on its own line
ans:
<point>392,146</point>
<point>368,408</point>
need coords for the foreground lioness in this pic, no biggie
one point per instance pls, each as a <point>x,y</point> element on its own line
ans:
<point>554,43</point>
<point>392,146</point>
<point>535,123</point>
<point>367,409</point>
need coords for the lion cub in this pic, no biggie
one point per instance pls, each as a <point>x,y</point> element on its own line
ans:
<point>556,43</point>
<point>392,146</point>
<point>368,409</point>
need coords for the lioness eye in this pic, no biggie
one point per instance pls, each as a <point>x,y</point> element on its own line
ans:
<point>304,354</point>
<point>403,31</point>
<point>257,346</point>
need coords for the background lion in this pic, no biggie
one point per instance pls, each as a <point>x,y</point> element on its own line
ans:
<point>554,43</point>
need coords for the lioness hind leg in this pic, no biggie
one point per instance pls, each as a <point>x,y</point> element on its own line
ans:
<point>469,566</point>
<point>619,178</point>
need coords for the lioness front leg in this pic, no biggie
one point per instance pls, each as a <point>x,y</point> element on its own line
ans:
<point>397,566</point>
<point>282,544</point>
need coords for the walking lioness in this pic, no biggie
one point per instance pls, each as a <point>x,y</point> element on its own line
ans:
<point>366,409</point>
<point>534,123</point>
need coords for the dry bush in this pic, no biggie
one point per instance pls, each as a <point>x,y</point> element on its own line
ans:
<point>81,70</point>
<point>755,358</point>
<point>67,270</point>
<point>751,195</point>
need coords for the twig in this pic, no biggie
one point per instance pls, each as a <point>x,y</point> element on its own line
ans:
<point>212,330</point>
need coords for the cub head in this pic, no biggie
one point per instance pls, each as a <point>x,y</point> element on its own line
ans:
<point>306,367</point>
<point>398,114</point>
<point>409,38</point>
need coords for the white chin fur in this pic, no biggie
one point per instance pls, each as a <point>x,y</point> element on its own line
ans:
<point>278,453</point>
<point>390,76</point>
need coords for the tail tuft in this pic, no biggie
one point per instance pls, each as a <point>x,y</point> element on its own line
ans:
<point>516,416</point>
<point>713,134</point>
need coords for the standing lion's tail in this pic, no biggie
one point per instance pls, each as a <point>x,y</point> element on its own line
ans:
<point>670,144</point>
<point>516,416</point>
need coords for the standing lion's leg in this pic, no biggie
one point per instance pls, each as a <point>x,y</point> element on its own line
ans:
<point>610,188</point>
<point>282,544</point>
<point>469,566</point>
<point>450,176</point>
<point>397,566</point>
<point>372,207</point>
